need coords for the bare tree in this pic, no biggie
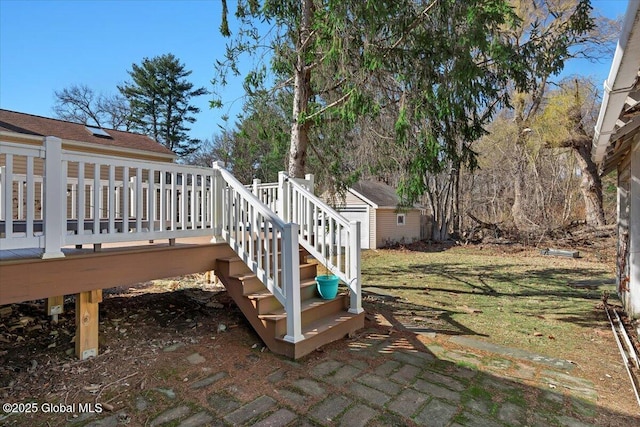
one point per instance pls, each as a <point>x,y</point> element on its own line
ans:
<point>80,104</point>
<point>566,122</point>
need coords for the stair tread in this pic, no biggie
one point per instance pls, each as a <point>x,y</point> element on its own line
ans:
<point>230,259</point>
<point>319,326</point>
<point>304,305</point>
<point>250,275</point>
<point>243,276</point>
<point>266,293</point>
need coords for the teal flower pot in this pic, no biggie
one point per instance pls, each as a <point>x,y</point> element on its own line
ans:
<point>327,286</point>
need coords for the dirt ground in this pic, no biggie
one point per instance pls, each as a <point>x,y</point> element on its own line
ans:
<point>141,326</point>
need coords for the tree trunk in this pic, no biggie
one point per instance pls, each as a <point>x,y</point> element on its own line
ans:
<point>301,92</point>
<point>591,185</point>
<point>442,201</point>
<point>517,208</point>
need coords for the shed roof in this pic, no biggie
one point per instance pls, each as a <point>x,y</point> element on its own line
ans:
<point>378,194</point>
<point>28,124</point>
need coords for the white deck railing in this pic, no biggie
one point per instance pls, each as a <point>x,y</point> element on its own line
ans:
<point>80,198</point>
<point>51,198</point>
<point>267,193</point>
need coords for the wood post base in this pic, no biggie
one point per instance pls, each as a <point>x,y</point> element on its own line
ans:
<point>87,323</point>
<point>54,306</point>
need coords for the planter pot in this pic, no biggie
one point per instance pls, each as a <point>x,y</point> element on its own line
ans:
<point>327,286</point>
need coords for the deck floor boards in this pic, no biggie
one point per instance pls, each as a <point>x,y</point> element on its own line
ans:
<point>30,253</point>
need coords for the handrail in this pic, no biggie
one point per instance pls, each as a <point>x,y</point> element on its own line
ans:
<point>254,232</point>
<point>325,234</point>
<point>24,193</point>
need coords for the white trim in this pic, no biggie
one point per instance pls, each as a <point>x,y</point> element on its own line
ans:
<point>622,76</point>
<point>104,147</point>
<point>363,198</point>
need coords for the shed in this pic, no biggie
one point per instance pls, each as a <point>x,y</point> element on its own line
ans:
<point>383,222</point>
<point>616,146</point>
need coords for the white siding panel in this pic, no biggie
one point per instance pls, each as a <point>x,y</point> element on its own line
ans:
<point>387,230</point>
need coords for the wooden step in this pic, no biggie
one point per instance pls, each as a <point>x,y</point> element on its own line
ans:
<point>308,271</point>
<point>232,266</point>
<point>312,309</point>
<point>251,284</point>
<point>324,331</point>
<point>302,253</point>
<point>265,302</point>
<point>322,321</point>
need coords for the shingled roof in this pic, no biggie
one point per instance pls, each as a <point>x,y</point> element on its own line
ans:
<point>29,124</point>
<point>379,193</point>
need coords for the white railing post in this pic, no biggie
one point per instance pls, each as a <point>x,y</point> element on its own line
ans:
<point>310,182</point>
<point>4,189</point>
<point>291,278</point>
<point>218,189</point>
<point>256,184</point>
<point>54,198</point>
<point>355,286</point>
<point>283,196</point>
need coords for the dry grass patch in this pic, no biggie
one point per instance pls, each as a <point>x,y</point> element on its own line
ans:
<point>520,299</point>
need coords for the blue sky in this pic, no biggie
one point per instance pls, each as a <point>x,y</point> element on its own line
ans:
<point>49,45</point>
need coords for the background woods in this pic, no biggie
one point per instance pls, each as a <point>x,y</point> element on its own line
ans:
<point>462,106</point>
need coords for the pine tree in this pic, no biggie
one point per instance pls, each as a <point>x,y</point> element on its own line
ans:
<point>159,97</point>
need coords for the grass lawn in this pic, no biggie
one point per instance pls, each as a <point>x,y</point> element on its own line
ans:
<point>519,299</point>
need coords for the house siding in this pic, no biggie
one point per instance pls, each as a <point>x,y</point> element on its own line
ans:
<point>352,199</point>
<point>387,230</point>
<point>628,247</point>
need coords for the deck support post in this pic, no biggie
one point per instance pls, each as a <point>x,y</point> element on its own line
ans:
<point>87,323</point>
<point>54,306</point>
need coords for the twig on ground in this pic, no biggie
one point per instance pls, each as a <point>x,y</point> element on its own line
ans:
<point>112,383</point>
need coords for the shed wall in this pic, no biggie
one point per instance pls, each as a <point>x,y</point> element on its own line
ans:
<point>387,230</point>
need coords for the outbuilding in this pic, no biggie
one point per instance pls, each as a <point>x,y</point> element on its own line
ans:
<point>383,221</point>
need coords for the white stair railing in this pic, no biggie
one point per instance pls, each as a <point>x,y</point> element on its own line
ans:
<point>267,244</point>
<point>324,233</point>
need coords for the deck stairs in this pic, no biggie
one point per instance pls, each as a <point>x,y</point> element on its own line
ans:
<point>323,321</point>
<point>282,233</point>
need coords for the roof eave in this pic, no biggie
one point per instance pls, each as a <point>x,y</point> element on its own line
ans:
<point>364,198</point>
<point>129,152</point>
<point>621,80</point>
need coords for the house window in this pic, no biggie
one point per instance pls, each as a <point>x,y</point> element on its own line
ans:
<point>401,219</point>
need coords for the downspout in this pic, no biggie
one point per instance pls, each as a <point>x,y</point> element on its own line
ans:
<point>622,77</point>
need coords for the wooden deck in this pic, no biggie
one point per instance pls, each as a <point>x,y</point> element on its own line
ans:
<point>97,200</point>
<point>25,277</point>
